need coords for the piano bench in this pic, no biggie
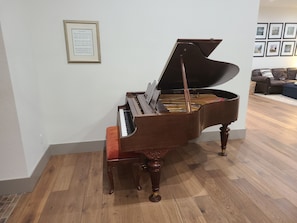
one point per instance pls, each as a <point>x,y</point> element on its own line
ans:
<point>115,157</point>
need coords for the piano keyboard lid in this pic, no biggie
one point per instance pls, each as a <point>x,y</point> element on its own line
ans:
<point>200,71</point>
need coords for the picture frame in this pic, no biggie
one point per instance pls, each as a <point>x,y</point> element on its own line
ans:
<point>261,30</point>
<point>82,41</point>
<point>287,48</point>
<point>290,31</point>
<point>273,48</point>
<point>275,30</point>
<point>259,48</point>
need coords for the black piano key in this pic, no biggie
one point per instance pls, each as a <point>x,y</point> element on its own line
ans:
<point>129,121</point>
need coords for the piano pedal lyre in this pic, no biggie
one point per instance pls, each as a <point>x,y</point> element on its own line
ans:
<point>114,157</point>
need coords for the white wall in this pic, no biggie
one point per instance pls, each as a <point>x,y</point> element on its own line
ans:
<point>16,32</point>
<point>10,137</point>
<point>78,101</point>
<point>276,15</point>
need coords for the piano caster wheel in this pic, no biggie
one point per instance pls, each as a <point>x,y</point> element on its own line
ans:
<point>155,197</point>
<point>223,153</point>
<point>139,188</point>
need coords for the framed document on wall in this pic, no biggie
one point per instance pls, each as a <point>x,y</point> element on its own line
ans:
<point>82,41</point>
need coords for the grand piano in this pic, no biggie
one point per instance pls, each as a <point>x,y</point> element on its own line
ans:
<point>179,106</point>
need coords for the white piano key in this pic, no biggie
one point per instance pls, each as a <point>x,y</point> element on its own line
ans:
<point>123,122</point>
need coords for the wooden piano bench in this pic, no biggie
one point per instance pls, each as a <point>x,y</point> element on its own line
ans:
<point>115,157</point>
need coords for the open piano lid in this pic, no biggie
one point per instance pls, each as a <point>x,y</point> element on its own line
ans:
<point>200,71</point>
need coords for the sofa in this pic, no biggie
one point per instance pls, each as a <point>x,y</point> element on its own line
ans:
<point>272,80</point>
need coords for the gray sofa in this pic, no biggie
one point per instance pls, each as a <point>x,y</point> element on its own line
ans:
<point>271,80</point>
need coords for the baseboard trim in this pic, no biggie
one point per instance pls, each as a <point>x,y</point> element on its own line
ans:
<point>80,147</point>
<point>24,185</point>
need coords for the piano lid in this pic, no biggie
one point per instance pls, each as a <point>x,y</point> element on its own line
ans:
<point>200,71</point>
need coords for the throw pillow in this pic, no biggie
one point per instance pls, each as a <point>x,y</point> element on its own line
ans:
<point>279,74</point>
<point>292,73</point>
<point>267,73</point>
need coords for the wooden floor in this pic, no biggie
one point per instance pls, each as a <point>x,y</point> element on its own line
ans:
<point>255,183</point>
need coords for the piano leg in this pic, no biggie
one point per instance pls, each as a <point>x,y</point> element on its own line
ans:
<point>224,139</point>
<point>154,168</point>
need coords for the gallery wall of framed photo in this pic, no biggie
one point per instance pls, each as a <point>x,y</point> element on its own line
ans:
<point>275,39</point>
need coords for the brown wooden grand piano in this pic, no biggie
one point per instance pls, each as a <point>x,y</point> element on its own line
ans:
<point>177,108</point>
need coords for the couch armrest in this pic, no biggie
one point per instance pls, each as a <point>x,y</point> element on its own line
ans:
<point>256,73</point>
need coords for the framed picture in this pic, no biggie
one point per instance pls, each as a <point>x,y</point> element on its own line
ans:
<point>82,41</point>
<point>272,48</point>
<point>290,31</point>
<point>287,48</point>
<point>259,48</point>
<point>275,30</point>
<point>261,31</point>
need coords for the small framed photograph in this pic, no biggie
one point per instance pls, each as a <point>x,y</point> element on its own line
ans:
<point>272,48</point>
<point>261,31</point>
<point>259,48</point>
<point>82,41</point>
<point>287,48</point>
<point>275,30</point>
<point>290,31</point>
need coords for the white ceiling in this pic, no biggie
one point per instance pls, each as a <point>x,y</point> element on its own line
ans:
<point>278,3</point>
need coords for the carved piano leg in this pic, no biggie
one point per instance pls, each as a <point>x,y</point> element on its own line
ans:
<point>224,139</point>
<point>154,168</point>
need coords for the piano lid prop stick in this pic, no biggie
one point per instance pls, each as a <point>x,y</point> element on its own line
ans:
<point>186,89</point>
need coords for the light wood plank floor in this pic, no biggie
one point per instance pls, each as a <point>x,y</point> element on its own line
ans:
<point>255,183</point>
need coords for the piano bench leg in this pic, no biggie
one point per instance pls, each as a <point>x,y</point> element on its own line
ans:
<point>110,177</point>
<point>114,157</point>
<point>138,167</point>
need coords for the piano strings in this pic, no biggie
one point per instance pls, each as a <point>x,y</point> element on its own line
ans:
<point>177,103</point>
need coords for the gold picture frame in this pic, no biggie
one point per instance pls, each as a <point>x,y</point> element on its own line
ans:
<point>82,41</point>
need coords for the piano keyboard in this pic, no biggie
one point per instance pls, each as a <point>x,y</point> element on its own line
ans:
<point>126,123</point>
<point>137,107</point>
